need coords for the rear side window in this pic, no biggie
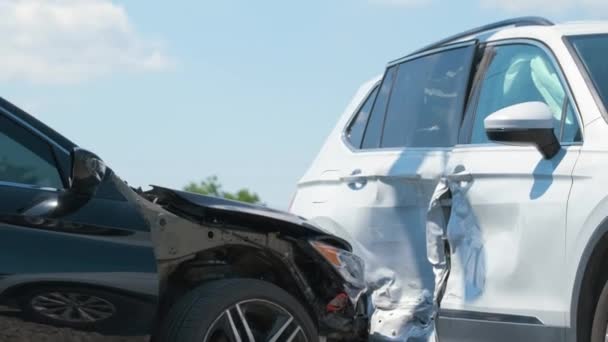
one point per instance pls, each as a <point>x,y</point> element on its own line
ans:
<point>427,100</point>
<point>373,131</point>
<point>355,131</point>
<point>25,158</point>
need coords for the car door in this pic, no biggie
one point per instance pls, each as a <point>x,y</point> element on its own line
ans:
<point>386,180</point>
<point>72,274</point>
<point>506,265</point>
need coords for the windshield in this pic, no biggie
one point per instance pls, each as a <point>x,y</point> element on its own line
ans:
<point>593,50</point>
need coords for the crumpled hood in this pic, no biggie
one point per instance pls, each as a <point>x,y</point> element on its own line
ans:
<point>257,217</point>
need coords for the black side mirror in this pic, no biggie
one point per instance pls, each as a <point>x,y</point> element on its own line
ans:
<point>88,170</point>
<point>525,123</point>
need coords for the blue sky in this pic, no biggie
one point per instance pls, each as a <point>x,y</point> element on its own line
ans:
<point>171,92</point>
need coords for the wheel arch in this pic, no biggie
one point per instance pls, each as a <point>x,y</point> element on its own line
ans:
<point>232,261</point>
<point>589,280</point>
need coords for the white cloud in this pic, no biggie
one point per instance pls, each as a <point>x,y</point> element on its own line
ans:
<point>554,6</point>
<point>403,3</point>
<point>67,41</point>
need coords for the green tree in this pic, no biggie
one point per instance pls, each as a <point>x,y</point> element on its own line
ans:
<point>212,187</point>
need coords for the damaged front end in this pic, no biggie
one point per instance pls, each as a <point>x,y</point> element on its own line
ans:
<point>198,239</point>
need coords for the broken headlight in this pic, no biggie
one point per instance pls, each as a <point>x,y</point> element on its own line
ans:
<point>350,266</point>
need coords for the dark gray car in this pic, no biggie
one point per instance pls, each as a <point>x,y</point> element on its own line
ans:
<point>85,257</point>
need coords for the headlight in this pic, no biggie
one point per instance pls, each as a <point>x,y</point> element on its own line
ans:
<point>350,266</point>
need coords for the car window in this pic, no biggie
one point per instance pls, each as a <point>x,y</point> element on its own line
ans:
<point>373,131</point>
<point>521,73</point>
<point>426,103</point>
<point>354,132</point>
<point>25,158</point>
<point>570,131</point>
<point>592,50</point>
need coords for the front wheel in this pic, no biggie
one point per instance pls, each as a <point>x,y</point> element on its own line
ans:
<point>238,310</point>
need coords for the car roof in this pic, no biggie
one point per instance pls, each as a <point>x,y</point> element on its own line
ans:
<point>582,27</point>
<point>560,29</point>
<point>525,27</point>
<point>542,32</point>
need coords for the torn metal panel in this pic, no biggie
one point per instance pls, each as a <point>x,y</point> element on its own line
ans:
<point>404,310</point>
<point>413,319</point>
<point>468,269</point>
<point>437,246</point>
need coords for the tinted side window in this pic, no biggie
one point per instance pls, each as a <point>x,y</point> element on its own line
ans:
<point>427,100</point>
<point>354,133</point>
<point>373,131</point>
<point>521,73</point>
<point>593,49</point>
<point>25,158</point>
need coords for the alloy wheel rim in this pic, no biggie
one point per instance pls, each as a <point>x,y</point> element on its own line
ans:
<point>72,307</point>
<point>255,320</point>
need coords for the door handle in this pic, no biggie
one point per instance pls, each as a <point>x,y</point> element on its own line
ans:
<point>356,176</point>
<point>460,176</point>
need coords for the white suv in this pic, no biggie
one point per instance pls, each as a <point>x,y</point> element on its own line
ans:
<point>516,113</point>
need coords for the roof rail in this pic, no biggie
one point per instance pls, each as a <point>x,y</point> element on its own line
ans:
<point>521,21</point>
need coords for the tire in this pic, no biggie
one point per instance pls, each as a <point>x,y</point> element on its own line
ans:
<point>600,318</point>
<point>212,312</point>
<point>112,313</point>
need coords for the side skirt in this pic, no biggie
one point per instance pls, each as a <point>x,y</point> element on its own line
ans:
<point>472,326</point>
